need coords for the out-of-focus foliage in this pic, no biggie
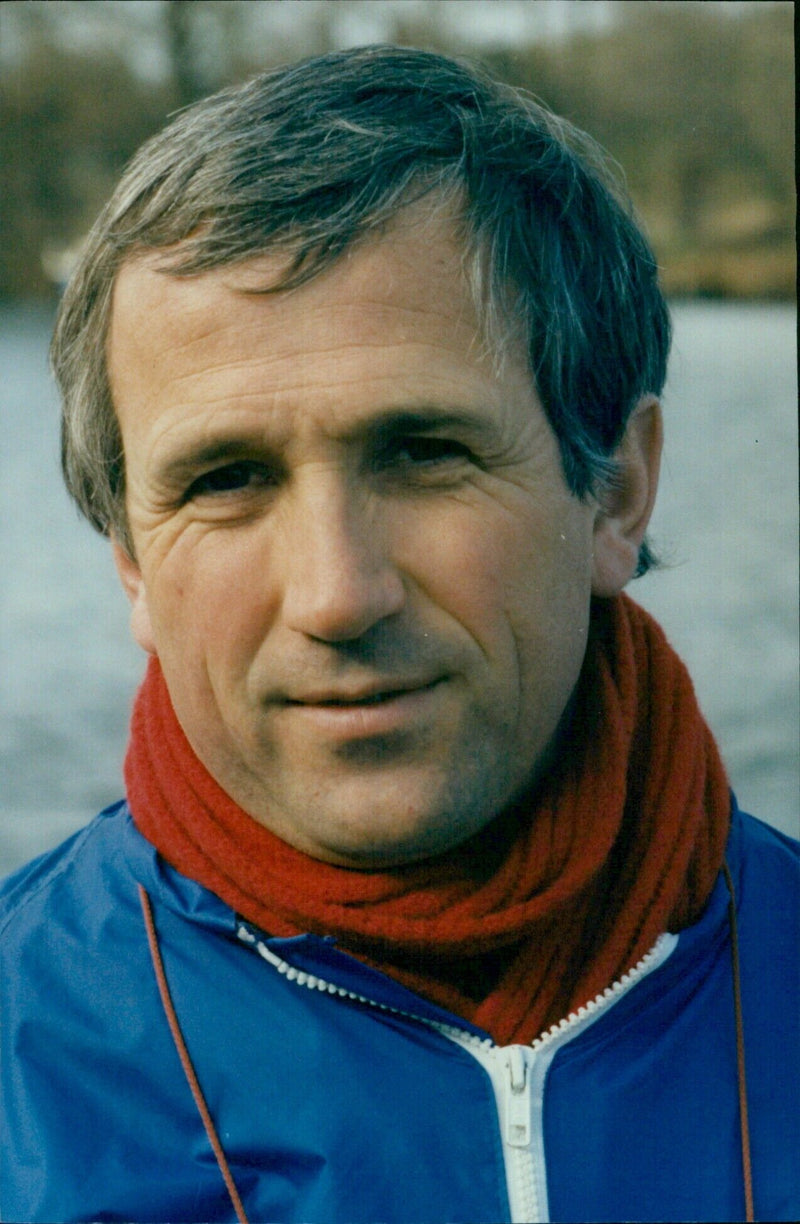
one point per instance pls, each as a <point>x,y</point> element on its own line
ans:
<point>696,104</point>
<point>69,120</point>
<point>700,112</point>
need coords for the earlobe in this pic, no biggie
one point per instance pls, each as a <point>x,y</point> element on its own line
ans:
<point>626,507</point>
<point>131,578</point>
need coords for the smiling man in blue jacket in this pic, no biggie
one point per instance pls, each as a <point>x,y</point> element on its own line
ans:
<point>428,899</point>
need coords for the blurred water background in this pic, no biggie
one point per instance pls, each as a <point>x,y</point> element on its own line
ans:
<point>694,100</point>
<point>726,521</point>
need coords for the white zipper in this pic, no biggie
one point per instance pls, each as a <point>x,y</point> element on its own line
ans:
<point>519,1091</point>
<point>518,1073</point>
<point>314,982</point>
<point>518,1099</point>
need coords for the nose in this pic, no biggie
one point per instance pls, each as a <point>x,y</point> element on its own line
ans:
<point>339,578</point>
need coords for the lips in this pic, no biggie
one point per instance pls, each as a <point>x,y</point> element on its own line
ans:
<point>373,695</point>
<point>365,714</point>
<point>375,699</point>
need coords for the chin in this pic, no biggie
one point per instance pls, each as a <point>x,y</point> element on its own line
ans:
<point>395,839</point>
<point>383,857</point>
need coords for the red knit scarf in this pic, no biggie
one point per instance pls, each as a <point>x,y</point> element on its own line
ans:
<point>542,910</point>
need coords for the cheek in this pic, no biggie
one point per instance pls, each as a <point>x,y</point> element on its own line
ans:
<point>210,595</point>
<point>463,563</point>
<point>519,585</point>
<point>524,565</point>
<point>551,605</point>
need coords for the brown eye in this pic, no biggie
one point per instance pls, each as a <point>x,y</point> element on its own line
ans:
<point>231,478</point>
<point>421,451</point>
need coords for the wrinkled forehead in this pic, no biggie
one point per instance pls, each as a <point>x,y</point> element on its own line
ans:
<point>421,264</point>
<point>391,327</point>
<point>432,235</point>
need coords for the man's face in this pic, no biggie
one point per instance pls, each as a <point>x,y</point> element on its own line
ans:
<point>356,555</point>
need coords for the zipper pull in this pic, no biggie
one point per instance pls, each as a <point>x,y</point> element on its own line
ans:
<point>518,1099</point>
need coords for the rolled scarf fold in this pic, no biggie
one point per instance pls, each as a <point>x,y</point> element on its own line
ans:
<point>552,902</point>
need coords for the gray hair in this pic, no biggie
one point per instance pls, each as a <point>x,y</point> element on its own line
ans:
<point>311,158</point>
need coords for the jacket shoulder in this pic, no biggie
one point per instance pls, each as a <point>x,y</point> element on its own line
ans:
<point>765,866</point>
<point>768,863</point>
<point>71,866</point>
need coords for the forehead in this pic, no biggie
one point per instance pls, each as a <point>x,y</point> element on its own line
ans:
<point>392,319</point>
<point>416,266</point>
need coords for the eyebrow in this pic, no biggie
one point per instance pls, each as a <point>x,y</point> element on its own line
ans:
<point>187,462</point>
<point>379,428</point>
<point>427,420</point>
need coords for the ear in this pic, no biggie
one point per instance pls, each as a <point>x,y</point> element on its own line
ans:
<point>627,504</point>
<point>133,583</point>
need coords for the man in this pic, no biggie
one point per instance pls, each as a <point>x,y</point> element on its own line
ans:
<point>429,900</point>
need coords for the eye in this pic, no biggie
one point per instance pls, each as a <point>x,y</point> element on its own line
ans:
<point>423,451</point>
<point>243,476</point>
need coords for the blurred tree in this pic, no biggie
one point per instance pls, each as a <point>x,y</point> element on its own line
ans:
<point>697,105</point>
<point>187,79</point>
<point>699,110</point>
<point>69,120</point>
<point>205,41</point>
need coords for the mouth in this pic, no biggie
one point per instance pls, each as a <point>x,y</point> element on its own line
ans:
<point>363,698</point>
<point>367,713</point>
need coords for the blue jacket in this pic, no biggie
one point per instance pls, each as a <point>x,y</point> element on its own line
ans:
<point>339,1096</point>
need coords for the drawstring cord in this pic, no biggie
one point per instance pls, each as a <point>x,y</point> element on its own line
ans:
<point>208,1122</point>
<point>741,1074</point>
<point>183,1054</point>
